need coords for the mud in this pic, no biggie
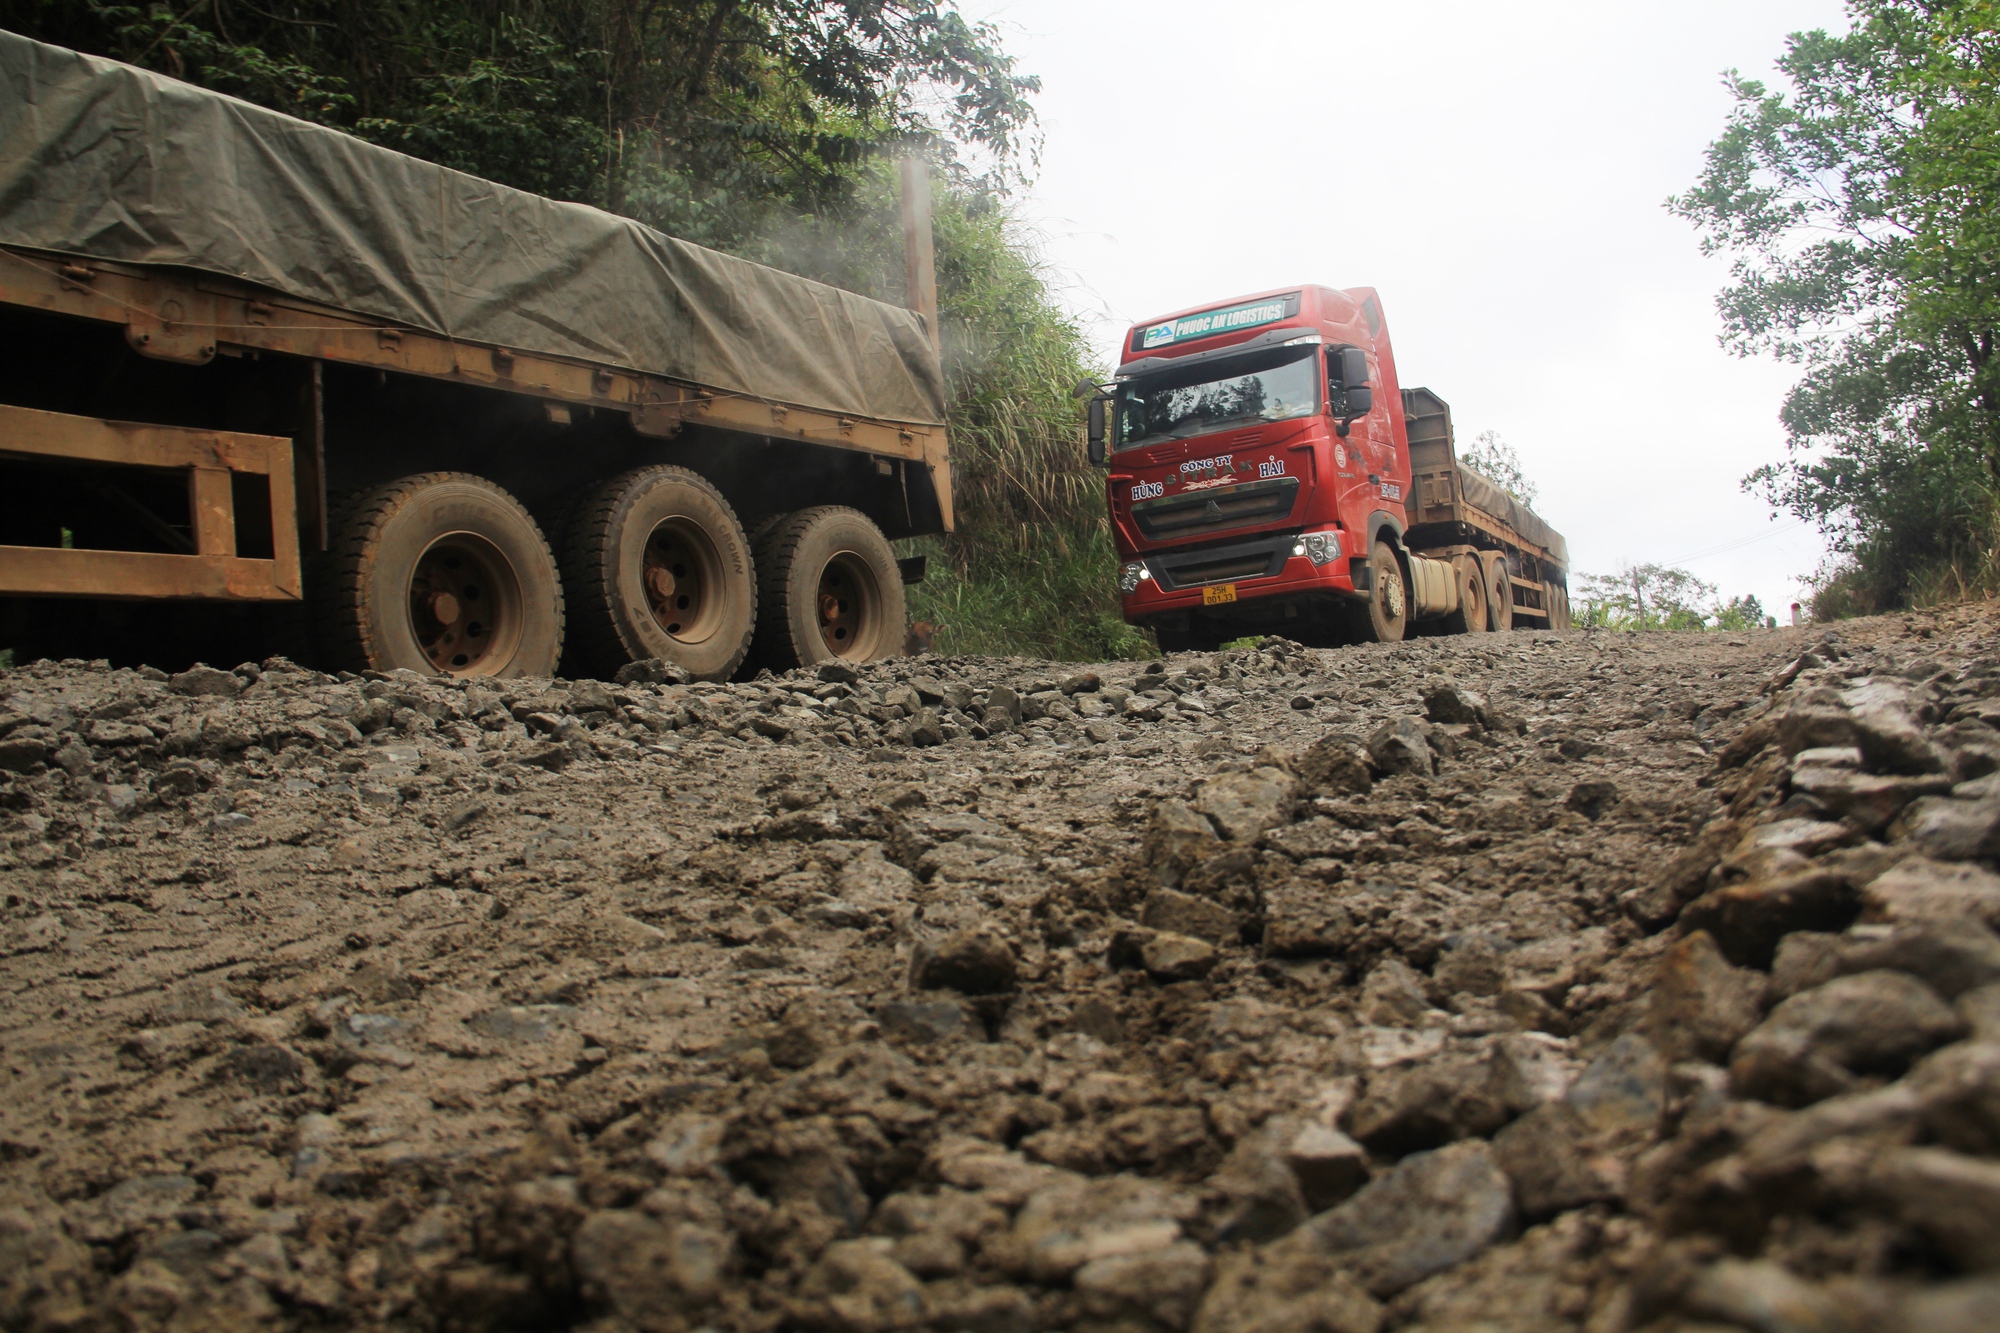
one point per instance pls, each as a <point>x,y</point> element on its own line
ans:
<point>1512,982</point>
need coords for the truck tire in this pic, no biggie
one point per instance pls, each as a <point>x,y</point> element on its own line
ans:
<point>1558,607</point>
<point>443,573</point>
<point>1499,593</point>
<point>1386,618</point>
<point>1470,618</point>
<point>655,565</point>
<point>828,588</point>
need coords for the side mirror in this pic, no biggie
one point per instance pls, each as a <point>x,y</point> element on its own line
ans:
<point>1360,401</point>
<point>1095,433</point>
<point>1353,367</point>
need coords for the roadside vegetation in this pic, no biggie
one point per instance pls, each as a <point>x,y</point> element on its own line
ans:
<point>769,131</point>
<point>1640,597</point>
<point>1495,459</point>
<point>1635,597</point>
<point>1861,213</point>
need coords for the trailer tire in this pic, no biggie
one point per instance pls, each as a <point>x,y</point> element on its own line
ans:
<point>828,588</point>
<point>1470,618</point>
<point>1386,617</point>
<point>655,565</point>
<point>443,573</point>
<point>1559,620</point>
<point>1499,593</point>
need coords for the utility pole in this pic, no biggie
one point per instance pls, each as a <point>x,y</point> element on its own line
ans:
<point>919,258</point>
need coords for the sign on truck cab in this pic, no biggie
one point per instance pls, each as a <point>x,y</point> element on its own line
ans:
<point>1255,446</point>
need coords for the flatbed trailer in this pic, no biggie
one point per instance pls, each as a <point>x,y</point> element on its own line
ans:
<point>255,360</point>
<point>1456,514</point>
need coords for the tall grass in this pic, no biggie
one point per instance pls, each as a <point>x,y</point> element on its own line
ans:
<point>1968,569</point>
<point>1031,568</point>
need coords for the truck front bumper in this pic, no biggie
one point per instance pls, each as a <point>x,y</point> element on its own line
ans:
<point>1269,567</point>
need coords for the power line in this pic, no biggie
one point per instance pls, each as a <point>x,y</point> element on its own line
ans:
<point>1739,543</point>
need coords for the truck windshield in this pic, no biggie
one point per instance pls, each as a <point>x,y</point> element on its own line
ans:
<point>1174,404</point>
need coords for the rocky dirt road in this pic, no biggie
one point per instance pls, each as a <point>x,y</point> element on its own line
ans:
<point>1503,983</point>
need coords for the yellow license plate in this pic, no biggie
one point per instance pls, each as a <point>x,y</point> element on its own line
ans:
<point>1220,593</point>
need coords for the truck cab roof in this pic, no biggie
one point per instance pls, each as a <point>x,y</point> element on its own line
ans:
<point>1260,319</point>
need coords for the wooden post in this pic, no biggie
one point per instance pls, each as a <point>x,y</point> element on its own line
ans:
<point>919,260</point>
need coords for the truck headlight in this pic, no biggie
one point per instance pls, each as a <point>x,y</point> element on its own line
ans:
<point>1130,577</point>
<point>1322,548</point>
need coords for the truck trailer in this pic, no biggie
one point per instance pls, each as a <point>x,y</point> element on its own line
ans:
<point>1269,474</point>
<point>460,427</point>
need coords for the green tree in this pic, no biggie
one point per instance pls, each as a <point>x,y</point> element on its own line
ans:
<point>1741,613</point>
<point>1861,212</point>
<point>1648,596</point>
<point>1494,459</point>
<point>715,120</point>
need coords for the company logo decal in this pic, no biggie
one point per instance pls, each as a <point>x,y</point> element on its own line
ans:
<point>1147,490</point>
<point>1340,455</point>
<point>1211,322</point>
<point>1204,464</point>
<point>1274,468</point>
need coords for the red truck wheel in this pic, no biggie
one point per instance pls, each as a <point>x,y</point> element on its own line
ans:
<point>656,565</point>
<point>1388,618</point>
<point>827,587</point>
<point>443,573</point>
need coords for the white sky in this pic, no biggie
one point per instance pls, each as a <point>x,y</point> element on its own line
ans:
<point>1496,171</point>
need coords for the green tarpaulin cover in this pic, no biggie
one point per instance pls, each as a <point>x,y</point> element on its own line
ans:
<point>101,160</point>
<point>1482,493</point>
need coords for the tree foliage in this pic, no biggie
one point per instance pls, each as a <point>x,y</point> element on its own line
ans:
<point>1861,211</point>
<point>710,119</point>
<point>1640,597</point>
<point>1494,459</point>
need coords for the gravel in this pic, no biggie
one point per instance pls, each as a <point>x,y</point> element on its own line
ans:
<point>1595,982</point>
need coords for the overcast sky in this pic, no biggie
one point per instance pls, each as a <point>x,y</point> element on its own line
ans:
<point>1497,172</point>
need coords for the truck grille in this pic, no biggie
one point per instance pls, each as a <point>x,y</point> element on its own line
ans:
<point>1216,511</point>
<point>1222,564</point>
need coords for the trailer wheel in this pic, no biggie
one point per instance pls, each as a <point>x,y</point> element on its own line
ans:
<point>828,588</point>
<point>1558,607</point>
<point>443,573</point>
<point>1470,618</point>
<point>656,565</point>
<point>1499,592</point>
<point>1388,613</point>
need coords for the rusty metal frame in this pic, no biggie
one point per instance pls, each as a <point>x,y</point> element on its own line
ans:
<point>214,571</point>
<point>186,320</point>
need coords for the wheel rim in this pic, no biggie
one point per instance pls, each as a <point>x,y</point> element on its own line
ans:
<point>465,605</point>
<point>848,606</point>
<point>682,578</point>
<point>1393,601</point>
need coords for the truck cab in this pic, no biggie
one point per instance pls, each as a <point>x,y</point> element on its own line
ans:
<point>1257,452</point>
<point>1260,482</point>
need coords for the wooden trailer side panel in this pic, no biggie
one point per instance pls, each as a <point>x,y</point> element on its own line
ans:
<point>213,570</point>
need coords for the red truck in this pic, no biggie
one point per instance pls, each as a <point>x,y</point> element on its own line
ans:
<point>1269,474</point>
